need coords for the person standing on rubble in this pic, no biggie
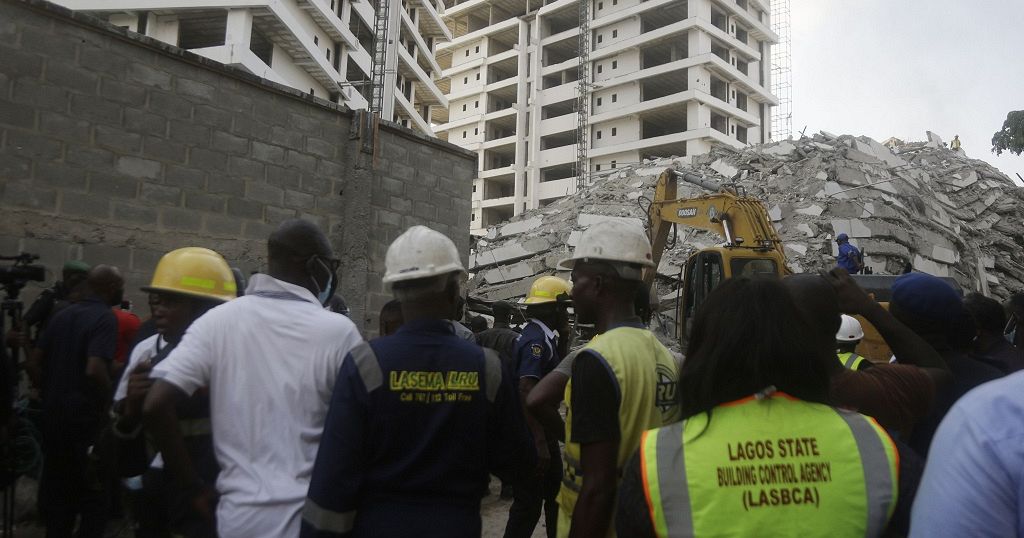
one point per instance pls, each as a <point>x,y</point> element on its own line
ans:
<point>849,257</point>
<point>623,382</point>
<point>955,143</point>
<point>417,419</point>
<point>188,282</point>
<point>270,359</point>
<point>537,352</point>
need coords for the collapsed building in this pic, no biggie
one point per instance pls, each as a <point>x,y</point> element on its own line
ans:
<point>918,203</point>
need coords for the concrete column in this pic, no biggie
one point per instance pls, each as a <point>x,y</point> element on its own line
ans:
<point>698,41</point>
<point>391,61</point>
<point>698,116</point>
<point>533,172</point>
<point>699,79</point>
<point>522,97</point>
<point>239,28</point>
<point>163,28</point>
<point>700,9</point>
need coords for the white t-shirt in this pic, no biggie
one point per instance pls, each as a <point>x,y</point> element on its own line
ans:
<point>270,359</point>
<point>143,351</point>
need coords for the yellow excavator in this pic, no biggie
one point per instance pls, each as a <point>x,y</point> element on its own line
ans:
<point>752,247</point>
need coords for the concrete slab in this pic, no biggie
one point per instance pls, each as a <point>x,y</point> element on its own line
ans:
<point>587,219</point>
<point>813,210</point>
<point>821,175</point>
<point>944,255</point>
<point>962,181</point>
<point>861,157</point>
<point>508,273</point>
<point>834,190</point>
<point>806,229</point>
<point>518,227</point>
<point>800,249</point>
<point>724,169</point>
<point>782,149</point>
<point>925,265</point>
<point>850,176</point>
<point>775,213</point>
<point>934,140</point>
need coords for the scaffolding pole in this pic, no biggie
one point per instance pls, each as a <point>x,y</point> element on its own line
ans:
<point>583,98</point>
<point>378,72</point>
<point>782,71</point>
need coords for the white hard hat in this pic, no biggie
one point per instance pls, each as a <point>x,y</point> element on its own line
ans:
<point>421,253</point>
<point>849,330</point>
<point>613,241</point>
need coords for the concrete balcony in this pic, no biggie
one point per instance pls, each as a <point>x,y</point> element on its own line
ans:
<point>499,142</point>
<point>425,54</point>
<point>757,28</point>
<point>556,189</point>
<point>427,91</point>
<point>498,202</point>
<point>495,172</point>
<point>559,155</point>
<point>559,124</point>
<point>477,34</point>
<point>411,113</point>
<point>431,24</point>
<point>735,76</point>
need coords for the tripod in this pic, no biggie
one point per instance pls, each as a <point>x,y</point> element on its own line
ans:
<point>9,308</point>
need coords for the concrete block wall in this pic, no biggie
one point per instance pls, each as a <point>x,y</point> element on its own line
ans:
<point>115,148</point>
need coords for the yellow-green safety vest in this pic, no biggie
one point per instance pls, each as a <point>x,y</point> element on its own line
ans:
<point>850,361</point>
<point>647,376</point>
<point>777,466</point>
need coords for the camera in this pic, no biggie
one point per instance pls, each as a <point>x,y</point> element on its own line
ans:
<point>14,277</point>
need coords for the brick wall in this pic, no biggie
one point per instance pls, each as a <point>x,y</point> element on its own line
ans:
<point>115,148</point>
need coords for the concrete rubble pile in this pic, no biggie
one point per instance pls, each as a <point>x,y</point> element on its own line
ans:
<point>919,202</point>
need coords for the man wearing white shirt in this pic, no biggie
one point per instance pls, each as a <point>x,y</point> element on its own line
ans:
<point>270,360</point>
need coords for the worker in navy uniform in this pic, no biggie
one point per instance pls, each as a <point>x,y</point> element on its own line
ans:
<point>537,352</point>
<point>418,419</point>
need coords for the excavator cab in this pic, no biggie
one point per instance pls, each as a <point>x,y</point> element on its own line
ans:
<point>706,269</point>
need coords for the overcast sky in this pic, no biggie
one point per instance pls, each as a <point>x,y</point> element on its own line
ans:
<point>886,68</point>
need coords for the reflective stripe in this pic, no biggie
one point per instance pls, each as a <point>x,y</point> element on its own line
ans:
<point>195,427</point>
<point>368,366</point>
<point>674,489</point>
<point>323,519</point>
<point>492,373</point>
<point>878,479</point>
<point>205,283</point>
<point>851,360</point>
<point>651,482</point>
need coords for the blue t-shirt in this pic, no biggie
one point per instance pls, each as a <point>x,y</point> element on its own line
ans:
<point>72,408</point>
<point>418,441</point>
<point>973,482</point>
<point>536,353</point>
<point>847,258</point>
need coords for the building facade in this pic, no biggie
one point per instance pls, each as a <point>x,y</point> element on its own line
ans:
<point>323,47</point>
<point>667,77</point>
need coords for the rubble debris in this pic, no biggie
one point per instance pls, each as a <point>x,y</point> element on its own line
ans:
<point>921,202</point>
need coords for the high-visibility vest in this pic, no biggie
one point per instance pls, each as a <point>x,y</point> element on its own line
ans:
<point>647,376</point>
<point>850,360</point>
<point>778,466</point>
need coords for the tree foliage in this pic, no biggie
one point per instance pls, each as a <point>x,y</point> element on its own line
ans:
<point>1011,136</point>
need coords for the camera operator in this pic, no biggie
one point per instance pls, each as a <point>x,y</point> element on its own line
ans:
<point>50,301</point>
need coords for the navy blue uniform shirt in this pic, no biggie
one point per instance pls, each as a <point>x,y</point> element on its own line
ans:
<point>536,353</point>
<point>72,408</point>
<point>414,429</point>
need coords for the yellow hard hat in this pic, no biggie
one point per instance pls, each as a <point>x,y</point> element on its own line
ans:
<point>547,289</point>
<point>195,272</point>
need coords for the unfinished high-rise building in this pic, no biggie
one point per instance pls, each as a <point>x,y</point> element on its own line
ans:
<point>323,47</point>
<point>660,78</point>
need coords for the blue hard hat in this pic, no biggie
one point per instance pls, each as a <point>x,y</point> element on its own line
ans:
<point>842,237</point>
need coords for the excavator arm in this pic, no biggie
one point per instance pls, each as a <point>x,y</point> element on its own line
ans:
<point>742,221</point>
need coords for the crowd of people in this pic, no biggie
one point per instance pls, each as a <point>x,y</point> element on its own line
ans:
<point>257,409</point>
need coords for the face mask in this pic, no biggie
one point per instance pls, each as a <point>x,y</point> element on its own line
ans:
<point>324,295</point>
